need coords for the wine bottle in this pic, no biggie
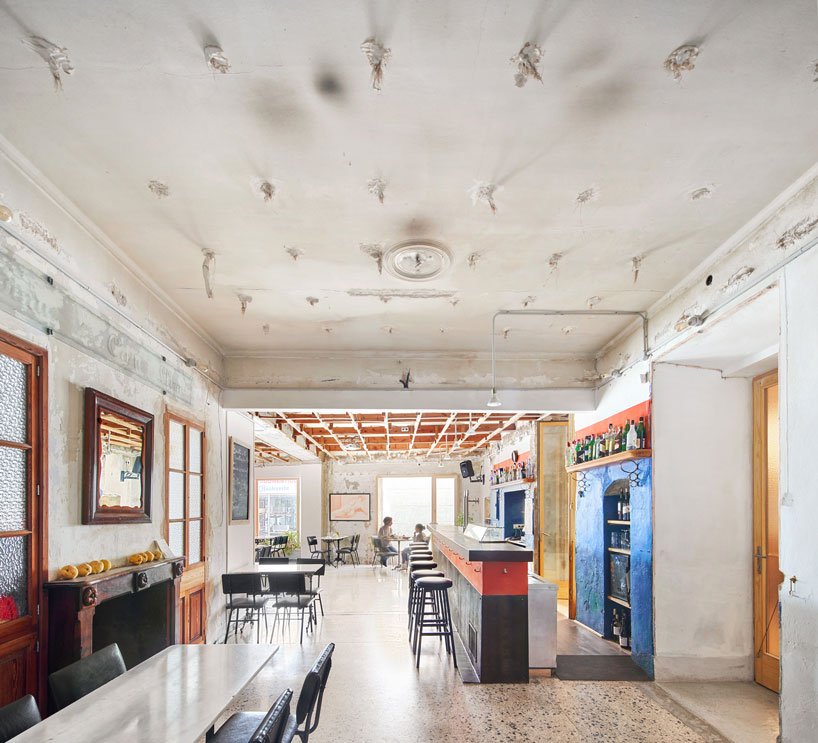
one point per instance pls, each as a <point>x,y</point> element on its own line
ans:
<point>640,432</point>
<point>631,438</point>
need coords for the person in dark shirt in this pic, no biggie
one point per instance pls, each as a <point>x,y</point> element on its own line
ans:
<point>385,534</point>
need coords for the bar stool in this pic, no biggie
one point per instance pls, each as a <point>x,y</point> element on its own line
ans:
<point>412,608</point>
<point>439,620</point>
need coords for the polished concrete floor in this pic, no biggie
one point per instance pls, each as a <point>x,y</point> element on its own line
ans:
<point>376,694</point>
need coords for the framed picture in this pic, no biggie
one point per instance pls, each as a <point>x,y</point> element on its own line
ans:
<point>238,483</point>
<point>349,507</point>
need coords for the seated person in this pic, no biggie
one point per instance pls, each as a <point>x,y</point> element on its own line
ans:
<point>418,536</point>
<point>385,534</point>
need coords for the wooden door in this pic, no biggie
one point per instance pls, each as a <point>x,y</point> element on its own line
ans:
<point>22,519</point>
<point>766,575</point>
<point>185,484</point>
<point>552,514</point>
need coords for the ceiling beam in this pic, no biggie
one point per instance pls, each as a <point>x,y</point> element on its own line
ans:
<point>362,439</point>
<point>442,431</point>
<point>331,432</point>
<point>510,421</point>
<point>292,425</point>
<point>386,424</point>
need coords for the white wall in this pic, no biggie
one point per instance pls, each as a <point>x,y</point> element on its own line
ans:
<point>703,520</point>
<point>310,508</point>
<point>798,374</point>
<point>617,395</point>
<point>240,536</point>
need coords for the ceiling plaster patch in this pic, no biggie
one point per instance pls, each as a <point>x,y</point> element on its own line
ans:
<point>484,191</point>
<point>795,233</point>
<point>293,252</point>
<point>387,329</point>
<point>377,187</point>
<point>568,329</point>
<point>216,59</point>
<point>738,278</point>
<point>527,61</point>
<point>815,71</point>
<point>265,328</point>
<point>588,195</point>
<point>593,301</point>
<point>681,59</point>
<point>506,332</point>
<point>375,252</point>
<point>38,230</point>
<point>703,192</point>
<point>118,296</point>
<point>244,300</point>
<point>473,260</point>
<point>312,301</point>
<point>377,55</point>
<point>554,261</point>
<point>55,56</point>
<point>209,271</point>
<point>326,329</point>
<point>453,302</point>
<point>636,264</point>
<point>529,300</point>
<point>159,189</point>
<point>386,294</point>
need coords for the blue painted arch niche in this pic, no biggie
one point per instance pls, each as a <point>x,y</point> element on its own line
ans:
<point>594,609</point>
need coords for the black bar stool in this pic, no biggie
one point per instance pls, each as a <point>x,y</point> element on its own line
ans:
<point>438,621</point>
<point>413,576</point>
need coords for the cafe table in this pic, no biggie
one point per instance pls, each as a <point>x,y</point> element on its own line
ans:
<point>176,696</point>
<point>333,541</point>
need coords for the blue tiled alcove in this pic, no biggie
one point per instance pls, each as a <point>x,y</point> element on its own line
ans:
<point>591,565</point>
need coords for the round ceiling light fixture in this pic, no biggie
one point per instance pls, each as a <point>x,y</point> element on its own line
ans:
<point>417,260</point>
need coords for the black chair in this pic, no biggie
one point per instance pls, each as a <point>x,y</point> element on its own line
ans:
<point>308,710</point>
<point>290,593</point>
<point>273,560</point>
<point>17,717</point>
<point>258,727</point>
<point>83,676</point>
<point>351,550</point>
<point>316,589</point>
<point>378,551</point>
<point>244,591</point>
<point>279,544</point>
<point>316,551</point>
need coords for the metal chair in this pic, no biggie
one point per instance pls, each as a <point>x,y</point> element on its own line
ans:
<point>378,551</point>
<point>315,590</point>
<point>290,593</point>
<point>258,727</point>
<point>351,550</point>
<point>303,723</point>
<point>83,676</point>
<point>316,551</point>
<point>17,717</point>
<point>244,591</point>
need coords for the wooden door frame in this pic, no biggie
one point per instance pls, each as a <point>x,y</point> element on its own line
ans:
<point>37,409</point>
<point>760,384</point>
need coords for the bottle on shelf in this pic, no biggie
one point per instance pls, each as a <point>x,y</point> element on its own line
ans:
<point>640,434</point>
<point>631,439</point>
<point>624,632</point>
<point>616,624</point>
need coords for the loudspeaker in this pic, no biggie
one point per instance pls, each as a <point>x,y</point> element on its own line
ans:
<point>466,470</point>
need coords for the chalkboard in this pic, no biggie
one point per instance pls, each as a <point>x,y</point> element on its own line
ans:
<point>239,485</point>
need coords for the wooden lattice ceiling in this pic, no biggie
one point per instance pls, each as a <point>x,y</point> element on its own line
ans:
<point>399,434</point>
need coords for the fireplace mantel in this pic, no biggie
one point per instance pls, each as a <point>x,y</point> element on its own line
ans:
<point>73,604</point>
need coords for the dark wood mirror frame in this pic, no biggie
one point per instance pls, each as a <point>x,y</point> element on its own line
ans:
<point>92,511</point>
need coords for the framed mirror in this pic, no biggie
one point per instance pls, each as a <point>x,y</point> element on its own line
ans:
<point>117,457</point>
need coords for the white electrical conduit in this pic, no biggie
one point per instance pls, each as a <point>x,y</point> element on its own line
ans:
<point>588,313</point>
<point>110,305</point>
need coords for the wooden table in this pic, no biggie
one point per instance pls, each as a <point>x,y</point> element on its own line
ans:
<point>175,697</point>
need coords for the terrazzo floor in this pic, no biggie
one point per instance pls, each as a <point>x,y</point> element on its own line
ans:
<point>375,693</point>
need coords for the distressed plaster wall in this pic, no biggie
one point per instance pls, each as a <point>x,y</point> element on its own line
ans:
<point>799,502</point>
<point>703,443</point>
<point>310,506</point>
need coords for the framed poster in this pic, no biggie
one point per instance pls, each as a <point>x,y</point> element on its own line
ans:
<point>238,484</point>
<point>349,507</point>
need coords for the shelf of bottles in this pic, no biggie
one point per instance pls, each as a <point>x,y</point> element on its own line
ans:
<point>515,474</point>
<point>617,444</point>
<point>617,513</point>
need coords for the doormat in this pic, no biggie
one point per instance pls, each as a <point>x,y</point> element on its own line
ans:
<point>599,668</point>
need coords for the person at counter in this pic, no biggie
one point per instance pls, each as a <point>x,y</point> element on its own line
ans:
<point>418,536</point>
<point>385,534</point>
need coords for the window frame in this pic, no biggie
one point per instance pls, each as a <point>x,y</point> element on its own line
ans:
<point>297,504</point>
<point>187,424</point>
<point>381,478</point>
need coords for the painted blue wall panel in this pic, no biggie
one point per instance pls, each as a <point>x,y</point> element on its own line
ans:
<point>589,561</point>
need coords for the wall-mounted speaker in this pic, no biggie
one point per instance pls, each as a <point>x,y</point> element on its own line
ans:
<point>466,469</point>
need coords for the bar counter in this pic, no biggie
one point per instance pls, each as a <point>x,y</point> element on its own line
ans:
<point>489,601</point>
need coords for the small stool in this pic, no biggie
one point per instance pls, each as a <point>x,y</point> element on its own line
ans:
<point>439,620</point>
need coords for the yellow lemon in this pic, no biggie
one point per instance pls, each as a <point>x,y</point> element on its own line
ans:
<point>157,554</point>
<point>106,565</point>
<point>85,569</point>
<point>96,566</point>
<point>69,572</point>
<point>136,559</point>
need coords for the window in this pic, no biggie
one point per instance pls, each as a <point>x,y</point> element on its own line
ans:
<point>277,506</point>
<point>417,500</point>
<point>185,488</point>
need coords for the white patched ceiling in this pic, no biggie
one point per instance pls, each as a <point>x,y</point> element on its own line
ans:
<point>297,109</point>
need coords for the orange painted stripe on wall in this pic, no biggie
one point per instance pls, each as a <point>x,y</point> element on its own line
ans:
<point>642,410</point>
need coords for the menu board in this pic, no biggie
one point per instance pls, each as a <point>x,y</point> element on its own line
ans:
<point>239,481</point>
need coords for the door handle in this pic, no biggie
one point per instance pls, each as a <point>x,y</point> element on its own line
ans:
<point>759,557</point>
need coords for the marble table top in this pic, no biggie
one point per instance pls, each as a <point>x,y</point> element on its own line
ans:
<point>282,567</point>
<point>175,697</point>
